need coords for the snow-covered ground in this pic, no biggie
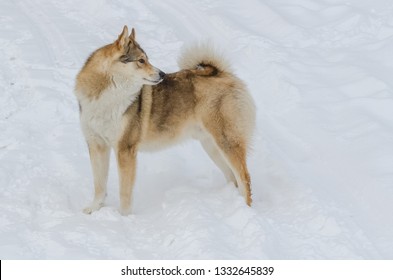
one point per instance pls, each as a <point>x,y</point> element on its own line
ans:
<point>321,74</point>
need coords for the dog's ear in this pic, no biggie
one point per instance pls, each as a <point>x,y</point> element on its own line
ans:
<point>122,40</point>
<point>132,35</point>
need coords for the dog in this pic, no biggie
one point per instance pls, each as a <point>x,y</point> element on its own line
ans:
<point>126,104</point>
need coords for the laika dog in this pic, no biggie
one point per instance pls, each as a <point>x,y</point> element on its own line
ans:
<point>129,105</point>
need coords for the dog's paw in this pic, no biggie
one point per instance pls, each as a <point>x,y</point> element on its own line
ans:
<point>88,210</point>
<point>125,211</point>
<point>92,208</point>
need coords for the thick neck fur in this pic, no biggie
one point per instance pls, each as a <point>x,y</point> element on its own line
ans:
<point>122,82</point>
<point>119,91</point>
<point>95,86</point>
<point>101,116</point>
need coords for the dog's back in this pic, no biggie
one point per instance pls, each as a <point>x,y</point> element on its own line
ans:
<point>204,92</point>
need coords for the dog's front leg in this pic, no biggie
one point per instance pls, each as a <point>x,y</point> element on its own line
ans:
<point>126,161</point>
<point>99,158</point>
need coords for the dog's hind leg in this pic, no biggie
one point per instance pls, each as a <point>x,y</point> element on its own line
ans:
<point>99,158</point>
<point>235,154</point>
<point>233,149</point>
<point>215,155</point>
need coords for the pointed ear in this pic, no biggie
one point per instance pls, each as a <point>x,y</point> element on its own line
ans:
<point>132,35</point>
<point>123,38</point>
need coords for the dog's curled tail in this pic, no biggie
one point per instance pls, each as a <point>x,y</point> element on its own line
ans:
<point>205,59</point>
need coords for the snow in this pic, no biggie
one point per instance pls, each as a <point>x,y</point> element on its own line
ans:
<point>322,162</point>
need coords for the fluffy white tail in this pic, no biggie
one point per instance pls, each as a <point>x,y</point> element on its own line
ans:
<point>203,54</point>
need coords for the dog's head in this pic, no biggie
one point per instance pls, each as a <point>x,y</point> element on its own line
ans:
<point>130,60</point>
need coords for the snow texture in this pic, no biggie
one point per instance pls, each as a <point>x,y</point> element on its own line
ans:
<point>321,74</point>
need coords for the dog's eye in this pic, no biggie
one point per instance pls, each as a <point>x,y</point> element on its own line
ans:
<point>141,61</point>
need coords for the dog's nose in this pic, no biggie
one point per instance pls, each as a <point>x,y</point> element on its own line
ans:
<point>162,75</point>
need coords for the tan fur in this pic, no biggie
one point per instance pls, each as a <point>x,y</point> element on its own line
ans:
<point>205,102</point>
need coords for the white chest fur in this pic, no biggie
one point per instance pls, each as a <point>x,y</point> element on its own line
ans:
<point>101,118</point>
